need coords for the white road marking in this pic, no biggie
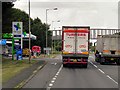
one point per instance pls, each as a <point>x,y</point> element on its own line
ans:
<point>57,74</point>
<point>39,67</point>
<point>101,71</point>
<point>50,84</point>
<point>95,66</point>
<point>54,78</point>
<point>112,79</point>
<point>104,73</point>
<point>35,71</point>
<point>55,63</point>
<point>52,81</point>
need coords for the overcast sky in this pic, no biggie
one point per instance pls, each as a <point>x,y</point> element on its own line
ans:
<point>93,13</point>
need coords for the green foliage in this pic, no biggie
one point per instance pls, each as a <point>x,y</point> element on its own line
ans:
<point>6,6</point>
<point>15,15</point>
<point>57,45</point>
<point>37,27</point>
<point>92,48</point>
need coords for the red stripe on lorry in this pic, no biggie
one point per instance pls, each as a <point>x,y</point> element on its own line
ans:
<point>81,31</point>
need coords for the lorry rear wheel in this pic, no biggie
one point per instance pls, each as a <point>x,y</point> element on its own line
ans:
<point>118,62</point>
<point>85,66</point>
<point>64,65</point>
<point>102,63</point>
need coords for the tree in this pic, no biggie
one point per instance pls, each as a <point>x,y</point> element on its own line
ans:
<point>6,8</point>
<point>39,29</point>
<point>14,14</point>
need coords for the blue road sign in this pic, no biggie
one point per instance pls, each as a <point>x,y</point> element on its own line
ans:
<point>3,42</point>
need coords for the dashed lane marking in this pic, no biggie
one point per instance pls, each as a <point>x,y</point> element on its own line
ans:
<point>54,78</point>
<point>52,81</point>
<point>50,85</point>
<point>104,73</point>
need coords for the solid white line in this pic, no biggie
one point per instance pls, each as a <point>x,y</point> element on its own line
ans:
<point>95,66</point>
<point>101,71</point>
<point>104,73</point>
<point>91,62</point>
<point>39,67</point>
<point>112,79</point>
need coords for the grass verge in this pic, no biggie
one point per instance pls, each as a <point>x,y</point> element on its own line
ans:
<point>11,68</point>
<point>47,56</point>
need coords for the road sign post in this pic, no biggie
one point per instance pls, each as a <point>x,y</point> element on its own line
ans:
<point>17,34</point>
<point>47,50</point>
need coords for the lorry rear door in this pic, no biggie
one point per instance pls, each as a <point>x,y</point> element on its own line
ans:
<point>68,41</point>
<point>82,41</point>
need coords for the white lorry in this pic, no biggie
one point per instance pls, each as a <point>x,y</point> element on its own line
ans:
<point>108,49</point>
<point>75,45</point>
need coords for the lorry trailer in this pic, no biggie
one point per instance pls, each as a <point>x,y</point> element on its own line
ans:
<point>75,45</point>
<point>108,49</point>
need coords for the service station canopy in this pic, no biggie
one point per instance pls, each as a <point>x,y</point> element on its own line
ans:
<point>25,36</point>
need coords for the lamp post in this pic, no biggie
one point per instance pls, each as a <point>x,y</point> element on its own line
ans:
<point>29,34</point>
<point>46,24</point>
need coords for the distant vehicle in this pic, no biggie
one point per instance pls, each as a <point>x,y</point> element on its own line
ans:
<point>108,49</point>
<point>75,45</point>
<point>25,52</point>
<point>36,49</point>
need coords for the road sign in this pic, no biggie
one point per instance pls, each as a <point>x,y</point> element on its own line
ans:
<point>45,49</point>
<point>3,42</point>
<point>17,28</point>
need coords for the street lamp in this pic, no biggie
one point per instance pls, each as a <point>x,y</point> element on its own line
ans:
<point>29,33</point>
<point>46,23</point>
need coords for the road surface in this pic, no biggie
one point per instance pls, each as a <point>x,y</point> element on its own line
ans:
<point>54,75</point>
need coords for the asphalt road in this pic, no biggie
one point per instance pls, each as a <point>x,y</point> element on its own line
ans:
<point>54,75</point>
